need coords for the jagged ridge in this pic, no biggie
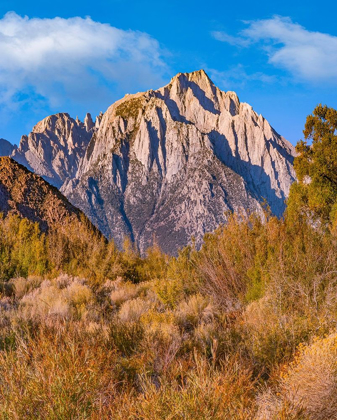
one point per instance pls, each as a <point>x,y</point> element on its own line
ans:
<point>55,147</point>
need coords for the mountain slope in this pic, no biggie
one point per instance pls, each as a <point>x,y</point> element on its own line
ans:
<point>29,196</point>
<point>55,147</point>
<point>168,164</point>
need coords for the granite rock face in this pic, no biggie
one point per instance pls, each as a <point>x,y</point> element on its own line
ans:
<point>55,147</point>
<point>168,165</point>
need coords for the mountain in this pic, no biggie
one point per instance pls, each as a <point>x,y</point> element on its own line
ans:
<point>6,148</point>
<point>29,196</point>
<point>55,147</point>
<point>166,165</point>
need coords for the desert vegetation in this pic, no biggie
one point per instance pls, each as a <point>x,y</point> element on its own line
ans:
<point>244,328</point>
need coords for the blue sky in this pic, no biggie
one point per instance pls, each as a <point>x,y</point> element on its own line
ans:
<point>81,56</point>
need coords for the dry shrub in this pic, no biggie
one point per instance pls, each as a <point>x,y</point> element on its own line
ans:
<point>195,310</point>
<point>272,334</point>
<point>311,381</point>
<point>79,297</point>
<point>62,298</point>
<point>123,292</point>
<point>132,310</point>
<point>226,258</point>
<point>308,387</point>
<point>23,286</point>
<point>161,344</point>
<point>64,280</point>
<point>61,374</point>
<point>46,301</point>
<point>270,406</point>
<point>266,332</point>
<point>200,394</point>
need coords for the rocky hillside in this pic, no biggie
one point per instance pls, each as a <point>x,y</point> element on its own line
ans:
<point>6,148</point>
<point>55,147</point>
<point>28,195</point>
<point>168,164</point>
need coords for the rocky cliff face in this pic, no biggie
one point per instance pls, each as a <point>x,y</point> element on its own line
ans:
<point>6,148</point>
<point>168,164</point>
<point>28,195</point>
<point>55,147</point>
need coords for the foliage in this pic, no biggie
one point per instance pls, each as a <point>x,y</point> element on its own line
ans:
<point>307,387</point>
<point>316,165</point>
<point>147,337</point>
<point>130,107</point>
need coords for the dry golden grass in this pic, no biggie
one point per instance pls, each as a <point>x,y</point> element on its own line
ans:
<point>62,298</point>
<point>60,373</point>
<point>307,387</point>
<point>212,334</point>
<point>310,383</point>
<point>201,393</point>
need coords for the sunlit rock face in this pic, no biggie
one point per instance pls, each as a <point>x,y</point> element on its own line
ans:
<point>168,165</point>
<point>55,147</point>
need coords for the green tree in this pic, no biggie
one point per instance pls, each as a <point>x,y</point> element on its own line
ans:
<point>315,194</point>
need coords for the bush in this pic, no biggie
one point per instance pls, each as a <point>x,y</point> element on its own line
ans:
<point>59,374</point>
<point>307,387</point>
<point>132,310</point>
<point>310,383</point>
<point>195,310</point>
<point>23,286</point>
<point>63,297</point>
<point>203,393</point>
<point>122,292</point>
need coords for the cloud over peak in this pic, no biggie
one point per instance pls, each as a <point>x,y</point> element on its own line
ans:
<point>73,58</point>
<point>308,56</point>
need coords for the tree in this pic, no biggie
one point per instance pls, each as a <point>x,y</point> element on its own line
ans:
<point>316,168</point>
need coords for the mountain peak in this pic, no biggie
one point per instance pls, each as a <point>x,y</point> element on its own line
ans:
<point>193,75</point>
<point>88,122</point>
<point>50,122</point>
<point>198,77</point>
<point>55,146</point>
<point>169,164</point>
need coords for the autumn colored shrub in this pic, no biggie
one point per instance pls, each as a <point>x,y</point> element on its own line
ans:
<point>307,386</point>
<point>61,373</point>
<point>228,258</point>
<point>202,393</point>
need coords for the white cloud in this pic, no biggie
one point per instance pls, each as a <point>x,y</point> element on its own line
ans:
<point>229,39</point>
<point>309,56</point>
<point>73,59</point>
<point>237,76</point>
